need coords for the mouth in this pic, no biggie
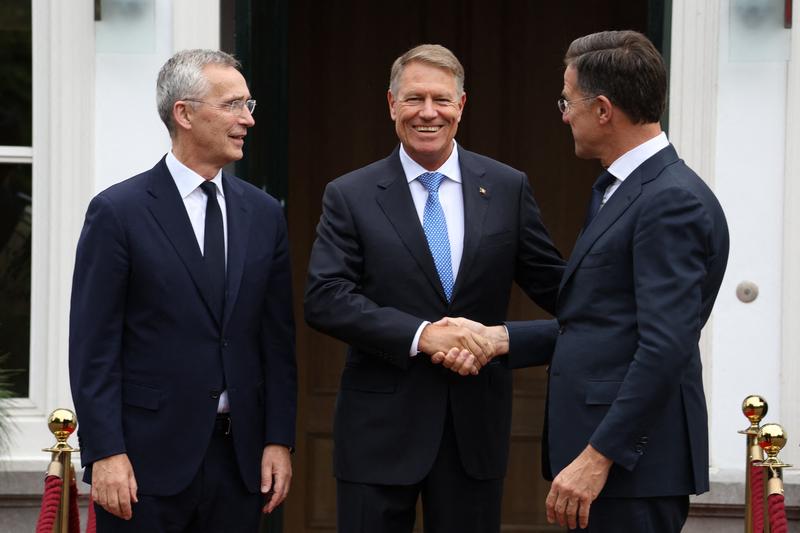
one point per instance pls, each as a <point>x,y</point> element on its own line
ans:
<point>238,138</point>
<point>427,129</point>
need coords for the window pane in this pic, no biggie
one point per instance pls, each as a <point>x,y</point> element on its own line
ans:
<point>15,83</point>
<point>15,273</point>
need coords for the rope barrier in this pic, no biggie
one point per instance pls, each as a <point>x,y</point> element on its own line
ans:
<point>91,519</point>
<point>777,514</point>
<point>757,497</point>
<point>50,501</point>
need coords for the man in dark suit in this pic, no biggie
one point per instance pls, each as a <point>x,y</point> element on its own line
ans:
<point>181,331</point>
<point>431,230</point>
<point>626,430</point>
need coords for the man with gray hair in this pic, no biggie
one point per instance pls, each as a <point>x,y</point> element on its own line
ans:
<point>181,333</point>
<point>431,230</point>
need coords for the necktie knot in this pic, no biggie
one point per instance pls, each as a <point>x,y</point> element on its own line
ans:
<point>603,181</point>
<point>209,188</point>
<point>431,181</point>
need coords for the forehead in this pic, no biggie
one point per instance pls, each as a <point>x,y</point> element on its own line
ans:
<point>570,80</point>
<point>417,75</point>
<point>225,81</point>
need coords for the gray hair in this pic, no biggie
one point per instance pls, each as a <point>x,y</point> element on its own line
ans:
<point>434,55</point>
<point>182,78</point>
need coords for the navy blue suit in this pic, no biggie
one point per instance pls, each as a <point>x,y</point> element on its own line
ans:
<point>625,374</point>
<point>149,357</point>
<point>371,283</point>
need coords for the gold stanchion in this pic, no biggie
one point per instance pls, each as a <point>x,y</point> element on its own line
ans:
<point>754,407</point>
<point>62,423</point>
<point>772,439</point>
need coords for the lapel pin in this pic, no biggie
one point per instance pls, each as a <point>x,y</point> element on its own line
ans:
<point>482,191</point>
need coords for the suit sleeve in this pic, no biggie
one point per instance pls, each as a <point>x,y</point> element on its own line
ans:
<point>278,341</point>
<point>670,252</point>
<point>539,264</point>
<point>334,302</point>
<point>99,288</point>
<point>531,342</point>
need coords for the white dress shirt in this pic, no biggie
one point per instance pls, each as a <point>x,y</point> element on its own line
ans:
<point>194,199</point>
<point>451,197</point>
<point>630,161</point>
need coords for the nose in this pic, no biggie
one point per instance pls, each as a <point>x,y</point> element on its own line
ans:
<point>428,109</point>
<point>246,118</point>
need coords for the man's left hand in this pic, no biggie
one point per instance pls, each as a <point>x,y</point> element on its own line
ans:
<point>276,475</point>
<point>576,487</point>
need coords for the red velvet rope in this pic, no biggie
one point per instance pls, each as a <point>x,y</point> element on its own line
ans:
<point>91,519</point>
<point>757,497</point>
<point>50,500</point>
<point>777,514</point>
<point>74,517</point>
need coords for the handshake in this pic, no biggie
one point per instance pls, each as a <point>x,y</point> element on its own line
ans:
<point>462,345</point>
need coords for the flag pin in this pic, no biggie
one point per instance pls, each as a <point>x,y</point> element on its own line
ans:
<point>482,191</point>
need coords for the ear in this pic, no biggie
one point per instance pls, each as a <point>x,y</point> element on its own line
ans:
<point>182,115</point>
<point>603,109</point>
<point>390,99</point>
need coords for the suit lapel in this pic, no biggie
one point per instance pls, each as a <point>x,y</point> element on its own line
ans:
<point>394,198</point>
<point>238,232</point>
<point>167,207</point>
<point>620,201</point>
<point>476,201</point>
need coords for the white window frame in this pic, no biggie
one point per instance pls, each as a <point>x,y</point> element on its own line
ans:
<point>62,159</point>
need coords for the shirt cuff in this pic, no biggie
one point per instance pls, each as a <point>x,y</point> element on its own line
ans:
<point>415,343</point>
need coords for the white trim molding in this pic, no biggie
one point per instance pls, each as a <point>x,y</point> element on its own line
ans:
<point>694,74</point>
<point>196,24</point>
<point>790,332</point>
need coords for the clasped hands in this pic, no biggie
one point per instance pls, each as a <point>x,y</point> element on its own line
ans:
<point>462,345</point>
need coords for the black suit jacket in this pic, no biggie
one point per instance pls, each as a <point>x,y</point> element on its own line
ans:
<point>626,374</point>
<point>372,282</point>
<point>147,353</point>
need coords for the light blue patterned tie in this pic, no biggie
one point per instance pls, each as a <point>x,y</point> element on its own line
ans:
<point>435,226</point>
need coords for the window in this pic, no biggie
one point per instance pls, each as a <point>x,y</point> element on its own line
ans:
<point>15,191</point>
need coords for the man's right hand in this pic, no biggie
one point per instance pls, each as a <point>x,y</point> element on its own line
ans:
<point>442,337</point>
<point>114,485</point>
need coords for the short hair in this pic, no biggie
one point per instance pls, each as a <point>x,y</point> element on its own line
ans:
<point>434,55</point>
<point>182,78</point>
<point>625,67</point>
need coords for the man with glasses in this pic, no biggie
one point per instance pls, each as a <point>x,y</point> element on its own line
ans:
<point>627,429</point>
<point>181,331</point>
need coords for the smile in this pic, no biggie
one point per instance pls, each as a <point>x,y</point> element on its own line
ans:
<point>427,129</point>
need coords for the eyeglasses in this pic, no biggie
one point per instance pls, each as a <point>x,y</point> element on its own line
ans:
<point>564,104</point>
<point>236,107</point>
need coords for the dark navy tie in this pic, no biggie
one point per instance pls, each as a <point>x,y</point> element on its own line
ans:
<point>598,190</point>
<point>435,226</point>
<point>214,247</point>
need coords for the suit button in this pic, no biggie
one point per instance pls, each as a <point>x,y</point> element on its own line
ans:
<point>224,343</point>
<point>561,330</point>
<point>639,449</point>
<point>214,394</point>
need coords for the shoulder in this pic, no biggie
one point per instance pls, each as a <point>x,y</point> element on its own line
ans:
<point>254,195</point>
<point>130,190</point>
<point>479,162</point>
<point>370,174</point>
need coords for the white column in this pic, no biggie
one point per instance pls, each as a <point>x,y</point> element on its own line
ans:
<point>196,24</point>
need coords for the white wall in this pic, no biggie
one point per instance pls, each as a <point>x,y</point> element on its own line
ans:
<point>749,181</point>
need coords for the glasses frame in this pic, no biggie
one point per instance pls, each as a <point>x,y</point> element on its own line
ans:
<point>236,107</point>
<point>564,104</point>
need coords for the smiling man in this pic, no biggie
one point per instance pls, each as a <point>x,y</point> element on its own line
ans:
<point>181,331</point>
<point>431,230</point>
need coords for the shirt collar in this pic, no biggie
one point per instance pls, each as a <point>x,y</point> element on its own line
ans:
<point>630,160</point>
<point>413,170</point>
<point>187,180</point>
